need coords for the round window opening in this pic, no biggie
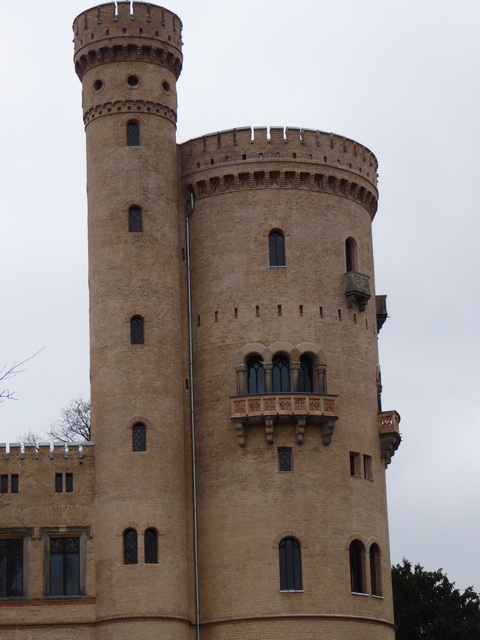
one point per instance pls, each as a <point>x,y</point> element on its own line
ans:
<point>166,86</point>
<point>97,85</point>
<point>133,81</point>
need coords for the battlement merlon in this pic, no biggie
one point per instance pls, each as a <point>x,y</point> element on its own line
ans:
<point>278,143</point>
<point>43,450</point>
<point>120,31</point>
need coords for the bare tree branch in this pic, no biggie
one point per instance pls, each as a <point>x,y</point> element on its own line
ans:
<point>74,422</point>
<point>8,372</point>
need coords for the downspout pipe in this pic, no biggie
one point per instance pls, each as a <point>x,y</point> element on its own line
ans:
<point>189,212</point>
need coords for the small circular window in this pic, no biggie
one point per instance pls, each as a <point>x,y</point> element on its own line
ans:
<point>133,81</point>
<point>166,86</point>
<point>97,85</point>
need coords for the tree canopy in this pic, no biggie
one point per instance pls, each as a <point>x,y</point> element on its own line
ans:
<point>429,607</point>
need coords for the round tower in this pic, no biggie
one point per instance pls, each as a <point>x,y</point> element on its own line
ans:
<point>128,58</point>
<point>292,514</point>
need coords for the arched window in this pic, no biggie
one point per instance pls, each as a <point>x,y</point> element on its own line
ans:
<point>281,374</point>
<point>137,330</point>
<point>133,134</point>
<point>305,375</point>
<point>356,567</point>
<point>375,570</point>
<point>139,437</point>
<point>351,255</point>
<point>290,565</point>
<point>130,547</point>
<point>135,220</point>
<point>256,375</point>
<point>276,248</point>
<point>150,546</point>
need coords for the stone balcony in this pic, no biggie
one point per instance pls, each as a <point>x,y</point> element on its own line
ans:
<point>357,289</point>
<point>390,438</point>
<point>298,409</point>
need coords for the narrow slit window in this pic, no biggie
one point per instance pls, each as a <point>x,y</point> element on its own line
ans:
<point>150,546</point>
<point>58,483</point>
<point>139,437</point>
<point>375,570</point>
<point>133,134</point>
<point>14,483</point>
<point>137,333</point>
<point>285,459</point>
<point>276,248</point>
<point>130,547</point>
<point>135,223</point>
<point>69,482</point>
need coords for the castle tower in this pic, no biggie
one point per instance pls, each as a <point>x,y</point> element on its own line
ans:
<point>293,531</point>
<point>128,59</point>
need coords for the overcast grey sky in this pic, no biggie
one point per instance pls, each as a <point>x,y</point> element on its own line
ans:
<point>399,77</point>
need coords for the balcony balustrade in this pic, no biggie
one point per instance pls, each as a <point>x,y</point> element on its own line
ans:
<point>390,438</point>
<point>270,409</point>
<point>357,289</point>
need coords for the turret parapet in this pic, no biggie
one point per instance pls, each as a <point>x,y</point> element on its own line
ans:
<point>262,157</point>
<point>53,450</point>
<point>127,31</point>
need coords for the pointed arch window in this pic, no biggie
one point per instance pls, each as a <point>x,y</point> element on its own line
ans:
<point>356,567</point>
<point>135,224</point>
<point>375,570</point>
<point>150,546</point>
<point>351,255</point>
<point>276,248</point>
<point>290,565</point>
<point>133,133</point>
<point>139,437</point>
<point>281,374</point>
<point>256,375</point>
<point>305,375</point>
<point>137,333</point>
<point>130,547</point>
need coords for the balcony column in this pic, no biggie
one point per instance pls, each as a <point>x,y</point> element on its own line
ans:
<point>241,379</point>
<point>294,373</point>
<point>268,368</point>
<point>320,381</point>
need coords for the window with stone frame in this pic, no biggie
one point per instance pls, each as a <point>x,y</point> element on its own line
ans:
<point>290,565</point>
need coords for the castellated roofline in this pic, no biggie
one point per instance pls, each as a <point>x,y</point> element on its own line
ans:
<point>288,157</point>
<point>52,450</point>
<point>120,31</point>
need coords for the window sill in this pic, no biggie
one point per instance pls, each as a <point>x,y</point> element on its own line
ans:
<point>291,590</point>
<point>358,593</point>
<point>79,596</point>
<point>277,266</point>
<point>377,597</point>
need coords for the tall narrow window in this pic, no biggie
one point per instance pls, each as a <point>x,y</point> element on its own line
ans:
<point>4,483</point>
<point>64,566</point>
<point>281,374</point>
<point>130,547</point>
<point>290,565</point>
<point>139,437</point>
<point>14,483</point>
<point>375,570</point>
<point>284,459</point>
<point>351,254</point>
<point>133,134</point>
<point>11,567</point>
<point>69,482</point>
<point>356,567</point>
<point>137,335</point>
<point>276,248</point>
<point>256,375</point>
<point>150,546</point>
<point>305,375</point>
<point>135,220</point>
<point>58,482</point>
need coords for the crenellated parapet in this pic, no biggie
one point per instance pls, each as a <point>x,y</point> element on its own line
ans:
<point>46,450</point>
<point>120,31</point>
<point>275,157</point>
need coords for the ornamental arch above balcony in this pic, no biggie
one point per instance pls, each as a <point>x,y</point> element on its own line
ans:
<point>281,384</point>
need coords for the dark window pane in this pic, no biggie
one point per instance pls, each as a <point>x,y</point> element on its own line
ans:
<point>356,572</point>
<point>139,437</point>
<point>58,483</point>
<point>72,574</point>
<point>11,567</point>
<point>305,376</point>
<point>290,565</point>
<point>150,544</point>
<point>256,375</point>
<point>133,134</point>
<point>64,566</point>
<point>130,547</point>
<point>56,575</point>
<point>281,375</point>
<point>135,220</point>
<point>14,483</point>
<point>285,459</point>
<point>4,483</point>
<point>374,569</point>
<point>69,482</point>
<point>136,330</point>
<point>276,249</point>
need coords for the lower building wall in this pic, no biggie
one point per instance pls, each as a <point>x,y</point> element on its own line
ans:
<point>52,633</point>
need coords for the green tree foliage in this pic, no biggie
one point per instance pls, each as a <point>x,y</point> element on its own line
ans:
<point>428,607</point>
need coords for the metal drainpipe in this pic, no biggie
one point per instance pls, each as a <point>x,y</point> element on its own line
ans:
<point>190,209</point>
